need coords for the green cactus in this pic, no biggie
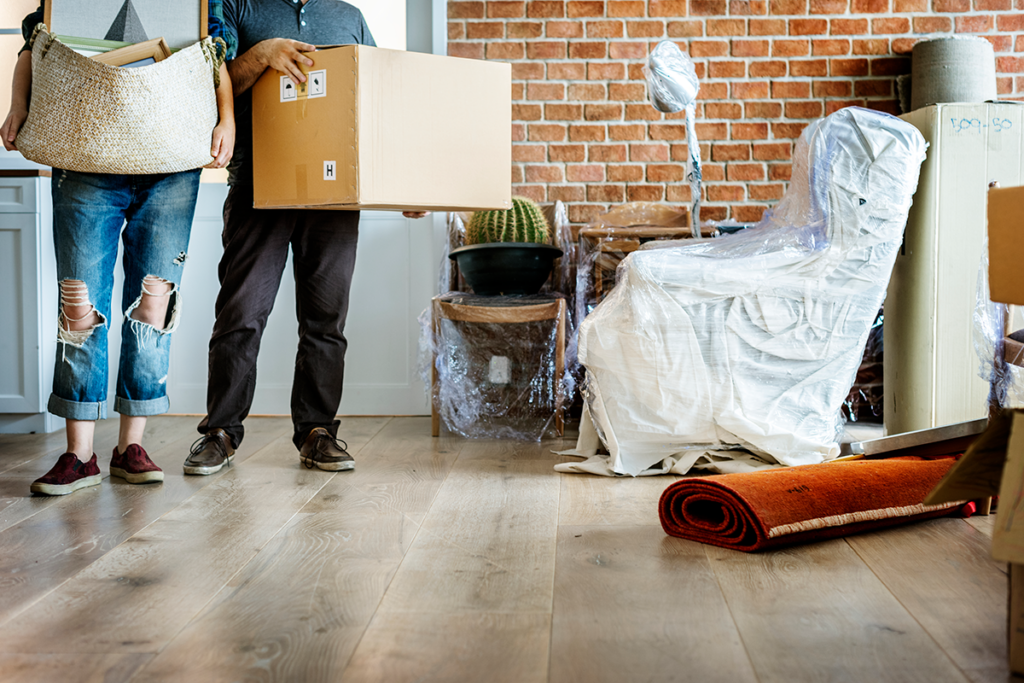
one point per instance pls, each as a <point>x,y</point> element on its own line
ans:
<point>524,222</point>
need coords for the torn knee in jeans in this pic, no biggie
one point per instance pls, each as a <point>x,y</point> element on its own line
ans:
<point>77,317</point>
<point>157,308</point>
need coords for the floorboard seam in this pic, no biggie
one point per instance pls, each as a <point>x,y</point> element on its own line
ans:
<point>732,617</point>
<point>240,569</point>
<point>554,573</point>
<point>138,531</point>
<point>398,567</point>
<point>906,609</point>
<point>255,555</point>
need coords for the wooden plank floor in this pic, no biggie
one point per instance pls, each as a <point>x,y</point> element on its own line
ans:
<point>453,560</point>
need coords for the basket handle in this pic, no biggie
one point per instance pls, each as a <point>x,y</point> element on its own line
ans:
<point>214,50</point>
<point>41,28</point>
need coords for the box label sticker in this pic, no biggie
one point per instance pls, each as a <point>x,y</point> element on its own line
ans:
<point>317,82</point>
<point>330,169</point>
<point>315,86</point>
<point>289,93</point>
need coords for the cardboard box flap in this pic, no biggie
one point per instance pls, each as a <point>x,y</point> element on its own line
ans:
<point>979,471</point>
<point>1008,532</point>
<point>444,156</point>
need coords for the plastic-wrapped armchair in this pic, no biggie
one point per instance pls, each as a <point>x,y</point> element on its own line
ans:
<point>708,351</point>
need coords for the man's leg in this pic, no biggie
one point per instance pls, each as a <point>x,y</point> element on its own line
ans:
<point>324,247</point>
<point>255,251</point>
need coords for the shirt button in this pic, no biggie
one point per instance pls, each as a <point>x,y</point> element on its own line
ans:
<point>303,23</point>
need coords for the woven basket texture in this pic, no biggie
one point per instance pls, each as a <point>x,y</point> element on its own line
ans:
<point>90,117</point>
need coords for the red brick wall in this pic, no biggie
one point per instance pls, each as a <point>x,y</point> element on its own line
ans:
<point>584,133</point>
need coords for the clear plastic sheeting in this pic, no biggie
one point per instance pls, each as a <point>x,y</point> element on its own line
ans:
<point>999,343</point>
<point>749,343</point>
<point>864,402</point>
<point>672,84</point>
<point>671,78</point>
<point>499,364</point>
<point>612,236</point>
<point>449,279</point>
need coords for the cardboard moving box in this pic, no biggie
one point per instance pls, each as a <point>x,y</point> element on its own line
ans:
<point>384,129</point>
<point>995,462</point>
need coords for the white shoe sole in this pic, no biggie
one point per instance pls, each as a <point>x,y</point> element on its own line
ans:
<point>65,489</point>
<point>328,466</point>
<point>207,470</point>
<point>137,477</point>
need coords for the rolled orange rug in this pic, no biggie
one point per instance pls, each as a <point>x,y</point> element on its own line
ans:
<point>785,506</point>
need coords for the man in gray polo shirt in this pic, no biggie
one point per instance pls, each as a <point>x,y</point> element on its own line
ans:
<point>261,35</point>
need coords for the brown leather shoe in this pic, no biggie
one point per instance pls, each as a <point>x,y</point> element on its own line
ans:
<point>209,453</point>
<point>325,452</point>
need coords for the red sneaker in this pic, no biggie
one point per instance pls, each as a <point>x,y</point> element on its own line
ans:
<point>135,466</point>
<point>67,476</point>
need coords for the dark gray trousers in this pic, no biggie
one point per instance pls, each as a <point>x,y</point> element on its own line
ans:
<point>256,244</point>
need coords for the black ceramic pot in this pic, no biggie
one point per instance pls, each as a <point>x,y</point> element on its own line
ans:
<point>506,268</point>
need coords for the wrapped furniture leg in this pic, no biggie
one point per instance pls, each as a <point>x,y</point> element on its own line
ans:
<point>749,343</point>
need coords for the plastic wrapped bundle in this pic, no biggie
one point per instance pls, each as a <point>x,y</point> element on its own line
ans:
<point>999,343</point>
<point>610,237</point>
<point>864,403</point>
<point>673,86</point>
<point>749,343</point>
<point>499,364</point>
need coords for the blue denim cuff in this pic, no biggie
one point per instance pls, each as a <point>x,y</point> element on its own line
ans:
<point>74,410</point>
<point>154,406</point>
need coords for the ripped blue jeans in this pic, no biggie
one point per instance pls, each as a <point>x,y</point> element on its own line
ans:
<point>152,215</point>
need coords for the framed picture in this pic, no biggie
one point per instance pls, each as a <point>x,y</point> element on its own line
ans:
<point>140,54</point>
<point>179,22</point>
<point>90,46</point>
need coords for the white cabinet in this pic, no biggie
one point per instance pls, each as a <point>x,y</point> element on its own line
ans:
<point>931,370</point>
<point>28,302</point>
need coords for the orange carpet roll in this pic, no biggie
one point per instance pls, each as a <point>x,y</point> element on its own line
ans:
<point>789,505</point>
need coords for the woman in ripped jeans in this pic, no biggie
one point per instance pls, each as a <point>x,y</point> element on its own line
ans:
<point>152,214</point>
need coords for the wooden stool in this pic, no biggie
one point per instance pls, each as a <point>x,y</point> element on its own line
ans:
<point>529,311</point>
<point>607,246</point>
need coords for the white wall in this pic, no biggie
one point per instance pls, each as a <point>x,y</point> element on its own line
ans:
<point>386,19</point>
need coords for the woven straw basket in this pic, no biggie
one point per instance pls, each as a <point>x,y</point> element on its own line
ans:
<point>91,117</point>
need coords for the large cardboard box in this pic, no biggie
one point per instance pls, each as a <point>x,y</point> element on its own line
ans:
<point>930,367</point>
<point>995,461</point>
<point>995,464</point>
<point>1006,251</point>
<point>384,129</point>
